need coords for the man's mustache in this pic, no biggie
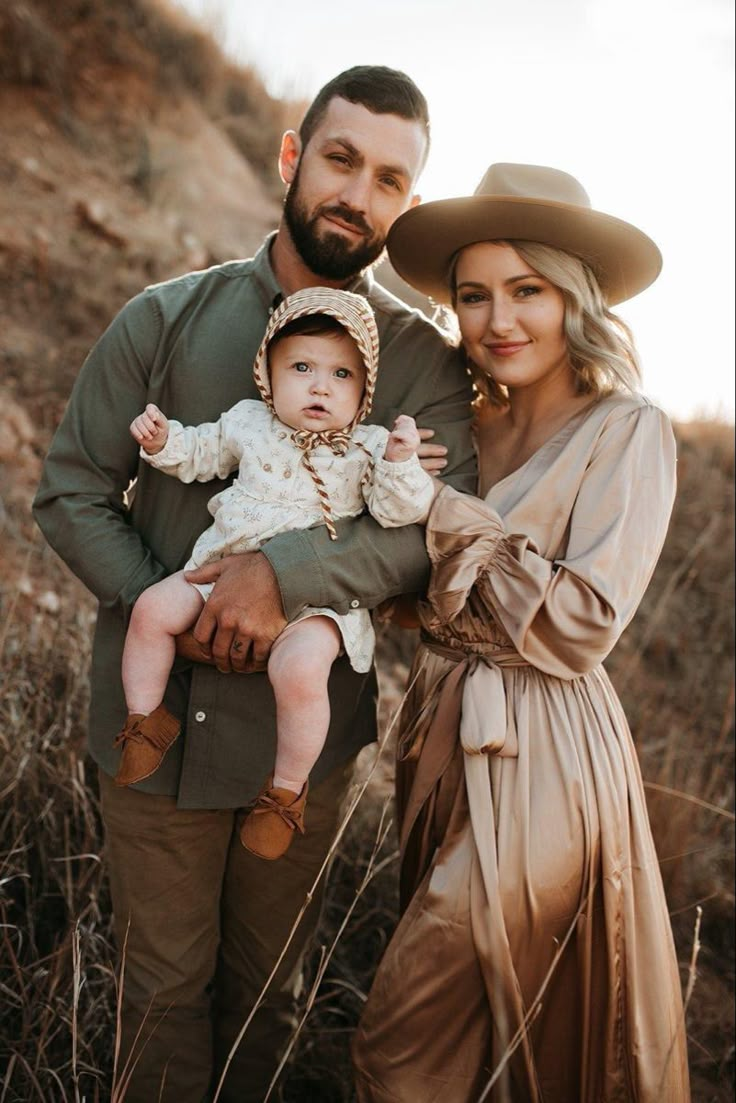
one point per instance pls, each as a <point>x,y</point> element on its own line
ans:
<point>352,218</point>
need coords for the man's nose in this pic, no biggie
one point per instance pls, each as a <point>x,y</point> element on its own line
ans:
<point>355,191</point>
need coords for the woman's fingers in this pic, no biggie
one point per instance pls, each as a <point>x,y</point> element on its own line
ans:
<point>432,457</point>
<point>433,466</point>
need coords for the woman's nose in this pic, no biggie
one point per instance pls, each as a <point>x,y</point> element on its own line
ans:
<point>501,319</point>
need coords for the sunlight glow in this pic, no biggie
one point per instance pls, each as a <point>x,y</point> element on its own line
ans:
<point>634,98</point>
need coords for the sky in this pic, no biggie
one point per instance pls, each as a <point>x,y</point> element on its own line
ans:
<point>635,98</point>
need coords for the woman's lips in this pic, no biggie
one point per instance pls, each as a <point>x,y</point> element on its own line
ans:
<point>507,349</point>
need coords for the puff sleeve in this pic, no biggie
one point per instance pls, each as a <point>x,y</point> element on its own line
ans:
<point>564,616</point>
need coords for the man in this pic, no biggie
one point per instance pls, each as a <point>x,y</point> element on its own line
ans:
<point>203,921</point>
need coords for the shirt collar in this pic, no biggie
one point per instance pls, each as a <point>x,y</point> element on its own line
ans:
<point>270,292</point>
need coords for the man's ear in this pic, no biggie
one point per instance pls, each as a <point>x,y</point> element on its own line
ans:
<point>415,201</point>
<point>289,154</point>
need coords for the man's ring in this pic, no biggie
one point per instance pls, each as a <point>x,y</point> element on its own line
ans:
<point>237,645</point>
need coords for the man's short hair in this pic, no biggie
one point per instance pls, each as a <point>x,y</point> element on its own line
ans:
<point>381,90</point>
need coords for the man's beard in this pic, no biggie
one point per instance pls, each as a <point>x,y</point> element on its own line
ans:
<point>329,255</point>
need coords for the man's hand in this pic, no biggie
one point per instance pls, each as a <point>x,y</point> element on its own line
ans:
<point>432,457</point>
<point>243,615</point>
<point>187,648</point>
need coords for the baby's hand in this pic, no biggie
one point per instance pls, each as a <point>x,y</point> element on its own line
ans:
<point>150,429</point>
<point>403,439</point>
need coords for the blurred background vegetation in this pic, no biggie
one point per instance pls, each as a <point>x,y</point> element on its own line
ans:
<point>131,151</point>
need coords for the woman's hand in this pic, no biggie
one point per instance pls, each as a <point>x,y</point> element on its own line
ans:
<point>150,429</point>
<point>432,457</point>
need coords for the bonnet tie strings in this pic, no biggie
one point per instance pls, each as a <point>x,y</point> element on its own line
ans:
<point>338,442</point>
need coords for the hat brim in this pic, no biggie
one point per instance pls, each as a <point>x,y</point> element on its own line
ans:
<point>424,240</point>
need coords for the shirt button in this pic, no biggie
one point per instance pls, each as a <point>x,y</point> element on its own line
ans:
<point>287,473</point>
<point>354,603</point>
<point>200,716</point>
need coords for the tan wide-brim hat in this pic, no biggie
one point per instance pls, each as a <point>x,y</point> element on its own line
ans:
<point>522,203</point>
<point>354,312</point>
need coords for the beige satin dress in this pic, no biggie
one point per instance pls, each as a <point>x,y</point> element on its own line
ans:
<point>534,961</point>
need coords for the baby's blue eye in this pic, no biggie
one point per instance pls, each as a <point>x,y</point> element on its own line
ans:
<point>301,366</point>
<point>343,373</point>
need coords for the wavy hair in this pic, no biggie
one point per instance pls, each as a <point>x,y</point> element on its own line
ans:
<point>600,344</point>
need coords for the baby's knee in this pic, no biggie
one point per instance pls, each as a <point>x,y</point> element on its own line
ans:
<point>146,610</point>
<point>151,612</point>
<point>299,672</point>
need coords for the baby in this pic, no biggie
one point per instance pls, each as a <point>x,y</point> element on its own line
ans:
<point>302,457</point>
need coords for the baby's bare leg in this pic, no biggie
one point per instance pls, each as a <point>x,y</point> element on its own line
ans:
<point>299,667</point>
<point>160,613</point>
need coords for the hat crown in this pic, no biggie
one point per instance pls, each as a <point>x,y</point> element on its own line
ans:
<point>533,182</point>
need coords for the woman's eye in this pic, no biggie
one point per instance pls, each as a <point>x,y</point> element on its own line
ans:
<point>471,297</point>
<point>528,290</point>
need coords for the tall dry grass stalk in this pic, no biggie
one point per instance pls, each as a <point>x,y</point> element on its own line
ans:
<point>58,998</point>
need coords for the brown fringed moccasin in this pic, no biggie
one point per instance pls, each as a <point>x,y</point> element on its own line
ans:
<point>145,740</point>
<point>273,821</point>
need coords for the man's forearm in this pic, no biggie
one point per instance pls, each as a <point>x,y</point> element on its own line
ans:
<point>366,564</point>
<point>363,567</point>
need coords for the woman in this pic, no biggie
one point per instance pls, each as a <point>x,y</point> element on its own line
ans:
<point>534,961</point>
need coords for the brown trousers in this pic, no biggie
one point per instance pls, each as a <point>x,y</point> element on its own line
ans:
<point>203,922</point>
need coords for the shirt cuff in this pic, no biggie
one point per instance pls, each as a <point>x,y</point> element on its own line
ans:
<point>398,467</point>
<point>295,565</point>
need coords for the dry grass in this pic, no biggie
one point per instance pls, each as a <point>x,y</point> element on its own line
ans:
<point>674,667</point>
<point>57,962</point>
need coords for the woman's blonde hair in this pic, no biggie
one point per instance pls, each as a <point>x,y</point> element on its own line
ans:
<point>601,348</point>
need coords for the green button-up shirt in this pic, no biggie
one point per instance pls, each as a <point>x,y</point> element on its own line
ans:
<point>188,345</point>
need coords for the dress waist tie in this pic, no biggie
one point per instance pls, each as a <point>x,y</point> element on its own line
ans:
<point>470,703</point>
<point>471,707</point>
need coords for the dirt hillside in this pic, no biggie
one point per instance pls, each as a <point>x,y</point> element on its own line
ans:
<point>130,151</point>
